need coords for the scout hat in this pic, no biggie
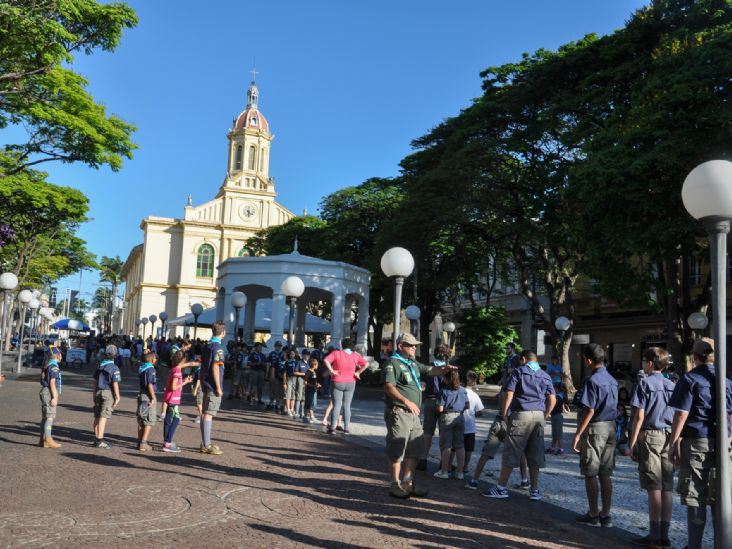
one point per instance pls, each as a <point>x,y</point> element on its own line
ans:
<point>703,346</point>
<point>409,339</point>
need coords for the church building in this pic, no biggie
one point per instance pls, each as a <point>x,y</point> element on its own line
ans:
<point>176,265</point>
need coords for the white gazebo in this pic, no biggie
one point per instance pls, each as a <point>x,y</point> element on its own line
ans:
<point>345,286</point>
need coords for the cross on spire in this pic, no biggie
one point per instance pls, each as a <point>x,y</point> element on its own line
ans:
<point>254,74</point>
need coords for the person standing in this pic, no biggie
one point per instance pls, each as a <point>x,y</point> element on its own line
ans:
<point>595,437</point>
<point>431,395</point>
<point>50,390</point>
<point>257,364</point>
<point>106,394</point>
<point>693,438</point>
<point>451,404</point>
<point>530,399</point>
<point>212,383</point>
<point>345,367</point>
<point>146,414</point>
<point>554,369</point>
<point>275,360</point>
<point>173,391</point>
<point>475,410</point>
<point>649,445</point>
<point>403,398</point>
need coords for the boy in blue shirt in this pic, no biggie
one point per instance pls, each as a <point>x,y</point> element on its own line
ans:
<point>649,445</point>
<point>50,389</point>
<point>301,368</point>
<point>146,414</point>
<point>212,382</point>
<point>106,394</point>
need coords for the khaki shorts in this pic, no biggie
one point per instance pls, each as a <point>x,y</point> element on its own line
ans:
<point>47,411</point>
<point>597,449</point>
<point>258,379</point>
<point>452,431</point>
<point>146,415</point>
<point>431,416</point>
<point>295,388</point>
<point>655,470</point>
<point>404,435</point>
<point>525,436</point>
<point>103,401</point>
<point>211,403</point>
<point>697,474</point>
<point>199,397</point>
<point>496,436</point>
<point>275,389</point>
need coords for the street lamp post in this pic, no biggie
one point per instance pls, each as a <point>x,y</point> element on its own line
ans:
<point>707,196</point>
<point>398,263</point>
<point>137,327</point>
<point>450,329</point>
<point>697,322</point>
<point>293,287</point>
<point>144,321</point>
<point>24,297</point>
<point>238,300</point>
<point>163,317</point>
<point>196,309</point>
<point>33,305</point>
<point>8,283</point>
<point>413,313</point>
<point>153,319</point>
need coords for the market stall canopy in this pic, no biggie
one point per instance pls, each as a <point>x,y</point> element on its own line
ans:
<point>71,324</point>
<point>262,319</point>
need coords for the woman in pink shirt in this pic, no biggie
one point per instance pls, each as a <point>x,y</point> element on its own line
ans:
<point>173,390</point>
<point>345,367</point>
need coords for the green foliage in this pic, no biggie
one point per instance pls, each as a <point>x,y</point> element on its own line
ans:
<point>38,90</point>
<point>485,333</point>
<point>280,239</point>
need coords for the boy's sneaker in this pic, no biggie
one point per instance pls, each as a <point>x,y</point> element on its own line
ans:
<point>473,485</point>
<point>460,476</point>
<point>330,431</point>
<point>144,447</point>
<point>525,483</point>
<point>339,428</point>
<point>587,520</point>
<point>172,448</point>
<point>442,474</point>
<point>102,444</point>
<point>346,432</point>
<point>497,492</point>
<point>606,522</point>
<point>197,420</point>
<point>646,542</point>
<point>558,451</point>
<point>413,490</point>
<point>397,491</point>
<point>212,450</point>
<point>535,495</point>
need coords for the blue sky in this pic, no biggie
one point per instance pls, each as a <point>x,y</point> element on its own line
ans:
<point>345,86</point>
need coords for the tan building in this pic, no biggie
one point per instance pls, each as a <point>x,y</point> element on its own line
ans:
<point>177,263</point>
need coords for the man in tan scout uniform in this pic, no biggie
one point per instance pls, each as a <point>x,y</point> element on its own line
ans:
<point>403,397</point>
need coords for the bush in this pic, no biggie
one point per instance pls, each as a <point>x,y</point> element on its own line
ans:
<point>486,332</point>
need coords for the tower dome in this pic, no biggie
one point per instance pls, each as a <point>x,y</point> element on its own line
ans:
<point>250,117</point>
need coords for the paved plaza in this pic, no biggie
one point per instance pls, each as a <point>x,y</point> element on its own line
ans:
<point>279,483</point>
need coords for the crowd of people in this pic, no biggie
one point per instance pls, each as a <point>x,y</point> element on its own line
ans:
<point>672,425</point>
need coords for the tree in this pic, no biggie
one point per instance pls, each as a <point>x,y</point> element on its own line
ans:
<point>486,332</point>
<point>111,271</point>
<point>40,92</point>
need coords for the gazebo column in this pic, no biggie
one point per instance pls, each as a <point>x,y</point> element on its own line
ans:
<point>250,310</point>
<point>337,318</point>
<point>350,302</point>
<point>362,325</point>
<point>300,323</point>
<point>278,317</point>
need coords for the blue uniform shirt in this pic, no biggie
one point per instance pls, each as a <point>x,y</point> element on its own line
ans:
<point>652,395</point>
<point>215,357</point>
<point>52,372</point>
<point>601,394</point>
<point>530,388</point>
<point>254,358</point>
<point>301,367</point>
<point>107,374</point>
<point>694,393</point>
<point>290,365</point>
<point>148,375</point>
<point>555,372</point>
<point>453,400</point>
<point>433,383</point>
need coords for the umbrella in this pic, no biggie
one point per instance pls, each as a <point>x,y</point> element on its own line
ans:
<point>70,324</point>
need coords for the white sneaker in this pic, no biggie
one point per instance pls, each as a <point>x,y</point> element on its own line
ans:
<point>459,476</point>
<point>442,474</point>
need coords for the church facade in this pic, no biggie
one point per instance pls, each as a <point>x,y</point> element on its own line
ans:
<point>177,263</point>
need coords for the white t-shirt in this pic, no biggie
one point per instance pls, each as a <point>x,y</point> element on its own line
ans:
<point>474,405</point>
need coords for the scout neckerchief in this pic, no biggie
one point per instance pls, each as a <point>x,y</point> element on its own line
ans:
<point>58,385</point>
<point>409,364</point>
<point>534,366</point>
<point>145,366</point>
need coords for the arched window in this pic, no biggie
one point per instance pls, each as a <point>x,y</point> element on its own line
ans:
<point>205,261</point>
<point>237,163</point>
<point>252,157</point>
<point>244,252</point>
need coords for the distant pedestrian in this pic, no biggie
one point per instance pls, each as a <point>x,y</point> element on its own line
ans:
<point>475,410</point>
<point>212,382</point>
<point>274,372</point>
<point>106,393</point>
<point>403,397</point>
<point>311,390</point>
<point>557,419</point>
<point>301,369</point>
<point>146,405</point>
<point>345,368</point>
<point>431,395</point>
<point>50,391</point>
<point>257,364</point>
<point>554,369</point>
<point>693,438</point>
<point>451,404</point>
<point>173,390</point>
<point>650,445</point>
<point>595,437</point>
<point>530,399</point>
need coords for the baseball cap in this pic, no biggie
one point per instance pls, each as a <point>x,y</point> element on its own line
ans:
<point>409,339</point>
<point>110,350</point>
<point>703,346</point>
<point>305,352</point>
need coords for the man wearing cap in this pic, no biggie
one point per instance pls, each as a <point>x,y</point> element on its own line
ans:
<point>693,440</point>
<point>50,389</point>
<point>106,393</point>
<point>403,398</point>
